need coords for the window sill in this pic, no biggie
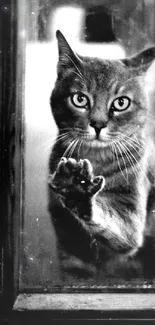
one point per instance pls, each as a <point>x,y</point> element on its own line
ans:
<point>105,306</point>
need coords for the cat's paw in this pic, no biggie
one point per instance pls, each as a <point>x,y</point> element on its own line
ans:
<point>76,177</point>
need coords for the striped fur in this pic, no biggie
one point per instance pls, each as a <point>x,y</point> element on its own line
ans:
<point>123,153</point>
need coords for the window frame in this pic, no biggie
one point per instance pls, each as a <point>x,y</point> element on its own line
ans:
<point>84,304</point>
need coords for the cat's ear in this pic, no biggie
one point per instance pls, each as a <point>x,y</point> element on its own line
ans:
<point>67,58</point>
<point>142,60</point>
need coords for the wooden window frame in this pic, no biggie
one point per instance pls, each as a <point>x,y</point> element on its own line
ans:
<point>87,305</point>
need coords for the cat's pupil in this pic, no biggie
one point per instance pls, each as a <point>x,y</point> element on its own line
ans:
<point>121,101</point>
<point>80,98</point>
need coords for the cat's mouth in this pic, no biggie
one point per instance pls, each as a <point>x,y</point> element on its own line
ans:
<point>98,134</point>
<point>98,137</point>
<point>97,141</point>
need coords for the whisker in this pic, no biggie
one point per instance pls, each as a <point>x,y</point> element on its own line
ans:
<point>73,148</point>
<point>130,160</point>
<point>50,146</point>
<point>122,136</point>
<point>117,158</point>
<point>151,156</point>
<point>46,142</point>
<point>119,148</point>
<point>62,136</point>
<point>135,141</point>
<point>113,156</point>
<point>137,146</point>
<point>128,142</point>
<point>67,151</point>
<point>51,139</point>
<point>150,120</point>
<point>68,148</point>
<point>66,140</point>
<point>65,136</point>
<point>151,115</point>
<point>80,144</point>
<point>131,154</point>
<point>136,164</point>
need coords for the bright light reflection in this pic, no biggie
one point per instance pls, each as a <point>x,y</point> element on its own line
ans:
<point>68,19</point>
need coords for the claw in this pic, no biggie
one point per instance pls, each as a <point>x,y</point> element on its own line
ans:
<point>71,163</point>
<point>63,159</point>
<point>98,185</point>
<point>88,166</point>
<point>99,181</point>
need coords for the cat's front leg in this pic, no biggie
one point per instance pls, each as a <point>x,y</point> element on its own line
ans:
<point>72,188</point>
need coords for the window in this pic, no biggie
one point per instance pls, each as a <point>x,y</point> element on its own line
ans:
<point>29,251</point>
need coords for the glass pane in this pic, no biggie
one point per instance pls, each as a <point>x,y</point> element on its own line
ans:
<point>77,245</point>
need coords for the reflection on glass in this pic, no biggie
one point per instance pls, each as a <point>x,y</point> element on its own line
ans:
<point>96,31</point>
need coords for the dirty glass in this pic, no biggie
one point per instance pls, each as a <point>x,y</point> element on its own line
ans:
<point>108,29</point>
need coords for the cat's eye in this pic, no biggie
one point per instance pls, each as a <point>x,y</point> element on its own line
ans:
<point>120,104</point>
<point>79,100</point>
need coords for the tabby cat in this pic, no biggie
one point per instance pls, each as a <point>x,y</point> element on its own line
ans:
<point>102,165</point>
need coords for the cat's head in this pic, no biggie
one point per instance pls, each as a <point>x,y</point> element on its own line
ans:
<point>98,100</point>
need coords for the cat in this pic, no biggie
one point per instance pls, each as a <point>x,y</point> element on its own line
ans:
<point>102,165</point>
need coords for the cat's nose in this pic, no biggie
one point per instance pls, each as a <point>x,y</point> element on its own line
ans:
<point>98,126</point>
